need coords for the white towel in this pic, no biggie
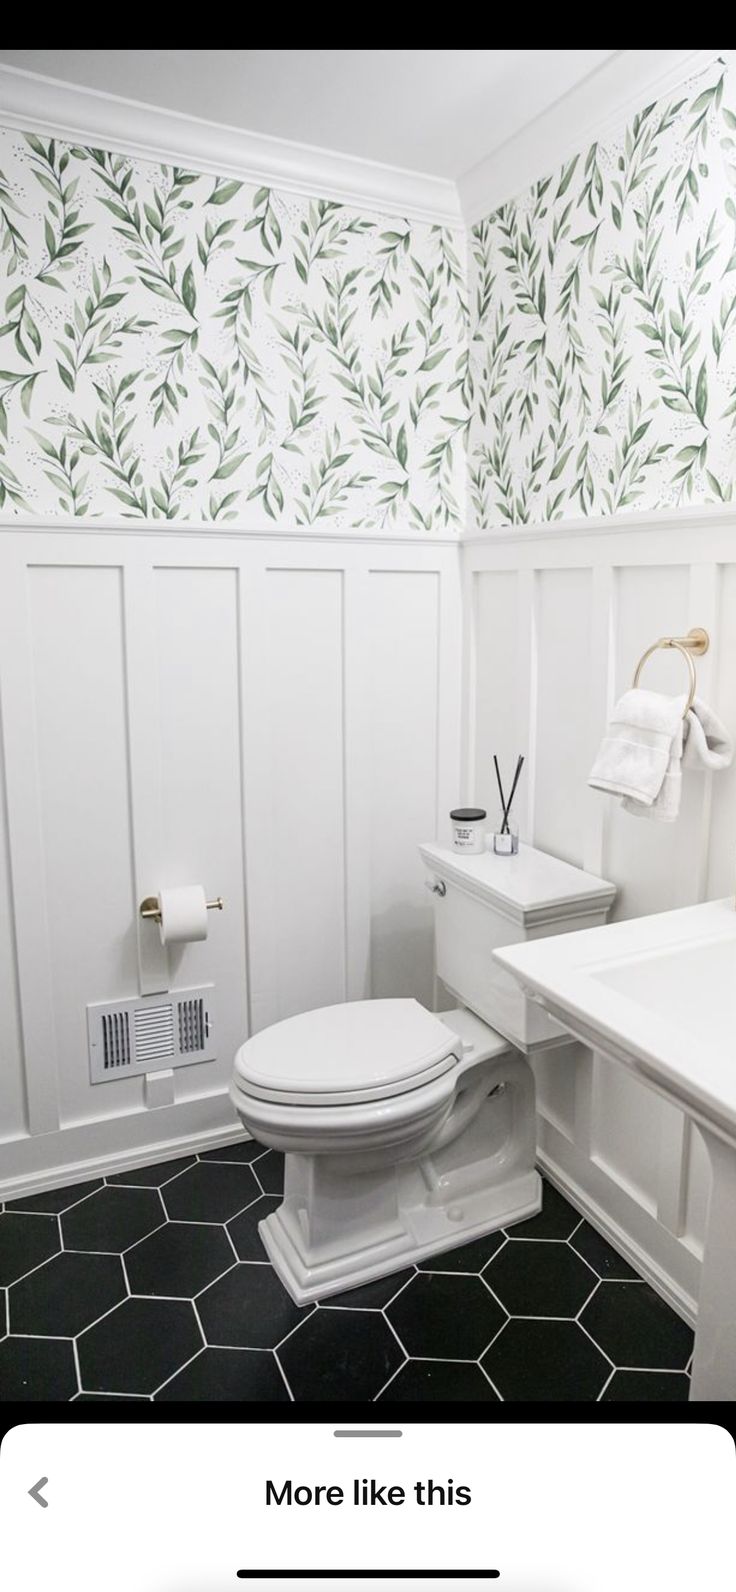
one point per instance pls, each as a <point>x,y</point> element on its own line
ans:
<point>648,744</point>
<point>707,741</point>
<point>635,754</point>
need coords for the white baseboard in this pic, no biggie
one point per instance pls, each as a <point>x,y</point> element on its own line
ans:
<point>105,1164</point>
<point>663,1284</point>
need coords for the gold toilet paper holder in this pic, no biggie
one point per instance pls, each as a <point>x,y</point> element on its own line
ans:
<point>149,908</point>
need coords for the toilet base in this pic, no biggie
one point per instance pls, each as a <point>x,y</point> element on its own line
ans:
<point>419,1229</point>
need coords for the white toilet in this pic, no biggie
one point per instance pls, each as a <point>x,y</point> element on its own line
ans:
<point>407,1132</point>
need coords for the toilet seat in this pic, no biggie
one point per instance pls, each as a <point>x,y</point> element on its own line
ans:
<point>347,1055</point>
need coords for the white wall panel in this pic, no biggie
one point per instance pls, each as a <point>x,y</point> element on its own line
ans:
<point>13,1112</point>
<point>81,751</point>
<point>199,735</point>
<point>498,691</point>
<point>721,869</point>
<point>225,709</point>
<point>403,630</point>
<point>301,688</point>
<point>588,602</point>
<point>645,858</point>
<point>561,754</point>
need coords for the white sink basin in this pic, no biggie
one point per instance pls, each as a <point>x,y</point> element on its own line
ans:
<point>659,993</point>
<point>658,996</point>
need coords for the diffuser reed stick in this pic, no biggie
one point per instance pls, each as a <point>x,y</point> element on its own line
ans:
<point>507,806</point>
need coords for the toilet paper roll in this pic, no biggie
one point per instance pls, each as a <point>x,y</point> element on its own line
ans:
<point>183,914</point>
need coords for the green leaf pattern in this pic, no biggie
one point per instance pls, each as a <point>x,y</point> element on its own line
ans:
<point>177,346</point>
<point>603,313</point>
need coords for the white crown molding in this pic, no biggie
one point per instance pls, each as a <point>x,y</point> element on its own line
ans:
<point>593,111</point>
<point>83,115</point>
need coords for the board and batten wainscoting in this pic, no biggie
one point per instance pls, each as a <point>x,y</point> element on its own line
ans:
<point>275,717</point>
<point>556,620</point>
<point>284,717</point>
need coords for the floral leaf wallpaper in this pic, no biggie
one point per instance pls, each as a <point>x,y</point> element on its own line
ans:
<point>181,347</point>
<point>603,324</point>
<point>175,346</point>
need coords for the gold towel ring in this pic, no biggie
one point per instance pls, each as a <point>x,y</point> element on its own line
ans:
<point>696,641</point>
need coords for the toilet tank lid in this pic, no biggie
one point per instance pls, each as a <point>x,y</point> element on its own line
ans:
<point>530,888</point>
<point>358,1045</point>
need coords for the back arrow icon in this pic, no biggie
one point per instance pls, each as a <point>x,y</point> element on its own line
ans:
<point>36,1490</point>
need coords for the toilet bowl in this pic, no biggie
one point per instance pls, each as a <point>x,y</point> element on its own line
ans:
<point>406,1132</point>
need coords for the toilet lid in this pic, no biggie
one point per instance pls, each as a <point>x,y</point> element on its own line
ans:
<point>342,1055</point>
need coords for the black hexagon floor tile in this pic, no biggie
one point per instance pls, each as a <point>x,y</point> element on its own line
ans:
<point>37,1369</point>
<point>228,1374</point>
<point>549,1361</point>
<point>176,1228</point>
<point>269,1170</point>
<point>248,1308</point>
<point>372,1296</point>
<point>557,1218</point>
<point>540,1279</point>
<point>601,1255</point>
<point>152,1176</point>
<point>210,1191</point>
<point>448,1381</point>
<point>112,1219</point>
<point>243,1229</point>
<point>435,1309</point>
<point>339,1355</point>
<point>466,1257</point>
<point>66,1295</point>
<point>139,1346</point>
<point>242,1150</point>
<point>25,1241</point>
<point>636,1329</point>
<point>55,1199</point>
<point>178,1260</point>
<point>652,1387</point>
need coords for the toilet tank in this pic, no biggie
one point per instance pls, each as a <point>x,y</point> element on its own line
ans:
<point>484,902</point>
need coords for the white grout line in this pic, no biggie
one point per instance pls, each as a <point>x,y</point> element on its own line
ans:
<point>406,1361</point>
<point>98,1319</point>
<point>287,1335</point>
<point>606,1384</point>
<point>495,1337</point>
<point>201,1350</point>
<point>586,1302</point>
<point>595,1344</point>
<point>392,1329</point>
<point>284,1376</point>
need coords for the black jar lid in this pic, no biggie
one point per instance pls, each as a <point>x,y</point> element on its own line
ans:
<point>467,815</point>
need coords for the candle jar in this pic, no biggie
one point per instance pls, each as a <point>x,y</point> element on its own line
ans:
<point>468,830</point>
<point>505,835</point>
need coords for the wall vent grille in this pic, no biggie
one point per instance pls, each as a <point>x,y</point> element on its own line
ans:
<point>116,1041</point>
<point>150,1032</point>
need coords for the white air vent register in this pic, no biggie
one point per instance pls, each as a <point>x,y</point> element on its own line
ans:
<point>150,1032</point>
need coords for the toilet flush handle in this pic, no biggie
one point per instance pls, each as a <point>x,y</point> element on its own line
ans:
<point>437,886</point>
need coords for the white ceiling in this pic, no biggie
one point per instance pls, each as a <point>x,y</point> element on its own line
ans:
<point>433,111</point>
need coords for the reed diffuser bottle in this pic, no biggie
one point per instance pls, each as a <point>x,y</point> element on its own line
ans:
<point>506,828</point>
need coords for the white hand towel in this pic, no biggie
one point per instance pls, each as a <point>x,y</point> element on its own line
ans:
<point>707,741</point>
<point>635,755</point>
<point>666,805</point>
<point>647,746</point>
